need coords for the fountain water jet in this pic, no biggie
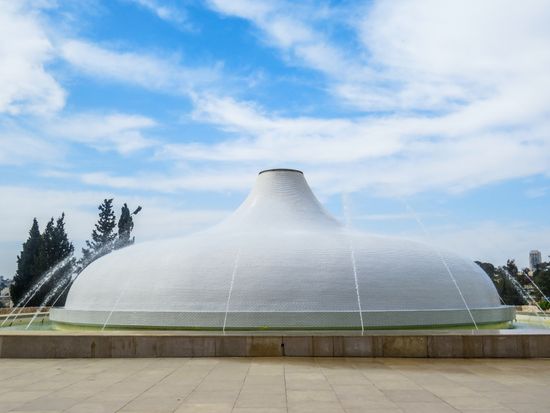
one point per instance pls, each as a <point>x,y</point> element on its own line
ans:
<point>233,273</point>
<point>74,273</point>
<point>527,297</point>
<point>42,280</point>
<point>443,261</point>
<point>347,219</point>
<point>537,287</point>
<point>62,283</point>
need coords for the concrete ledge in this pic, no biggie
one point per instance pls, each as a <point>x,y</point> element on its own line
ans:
<point>431,345</point>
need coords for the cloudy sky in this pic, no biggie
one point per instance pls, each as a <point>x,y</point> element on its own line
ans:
<point>398,109</point>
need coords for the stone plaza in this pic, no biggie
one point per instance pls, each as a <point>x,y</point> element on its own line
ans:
<point>274,385</point>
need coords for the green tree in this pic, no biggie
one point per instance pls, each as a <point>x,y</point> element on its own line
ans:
<point>500,276</point>
<point>509,291</point>
<point>103,235</point>
<point>512,268</point>
<point>28,264</point>
<point>489,269</point>
<point>40,254</point>
<point>125,227</point>
<point>56,248</point>
<point>541,277</point>
<point>523,277</point>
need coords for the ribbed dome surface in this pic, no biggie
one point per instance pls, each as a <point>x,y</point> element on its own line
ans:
<point>281,261</point>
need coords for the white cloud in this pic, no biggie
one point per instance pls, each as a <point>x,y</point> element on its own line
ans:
<point>25,51</point>
<point>46,141</point>
<point>147,71</point>
<point>392,155</point>
<point>388,217</point>
<point>481,69</point>
<point>31,42</point>
<point>18,148</point>
<point>267,138</point>
<point>291,27</point>
<point>204,179</point>
<point>121,132</point>
<point>537,192</point>
<point>165,11</point>
<point>446,53</point>
<point>415,54</point>
<point>28,202</point>
<point>490,241</point>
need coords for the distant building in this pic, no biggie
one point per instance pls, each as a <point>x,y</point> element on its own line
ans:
<point>535,258</point>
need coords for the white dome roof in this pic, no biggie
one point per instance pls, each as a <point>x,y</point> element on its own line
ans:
<point>281,261</point>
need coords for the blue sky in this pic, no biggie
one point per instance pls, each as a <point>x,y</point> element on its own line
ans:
<point>440,108</point>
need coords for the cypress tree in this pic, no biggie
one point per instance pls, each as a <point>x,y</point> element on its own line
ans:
<point>29,267</point>
<point>103,236</point>
<point>125,227</point>
<point>64,247</point>
<point>47,249</point>
<point>40,253</point>
<point>56,247</point>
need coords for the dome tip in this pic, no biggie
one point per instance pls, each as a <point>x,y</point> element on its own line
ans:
<point>280,170</point>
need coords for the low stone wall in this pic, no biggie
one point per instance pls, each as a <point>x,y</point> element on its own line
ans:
<point>165,345</point>
<point>23,310</point>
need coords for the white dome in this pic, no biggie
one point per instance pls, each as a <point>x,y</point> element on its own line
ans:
<point>281,261</point>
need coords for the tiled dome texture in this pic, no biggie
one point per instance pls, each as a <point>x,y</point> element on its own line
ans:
<point>282,262</point>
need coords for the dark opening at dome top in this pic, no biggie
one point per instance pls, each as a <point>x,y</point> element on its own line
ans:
<point>280,170</point>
